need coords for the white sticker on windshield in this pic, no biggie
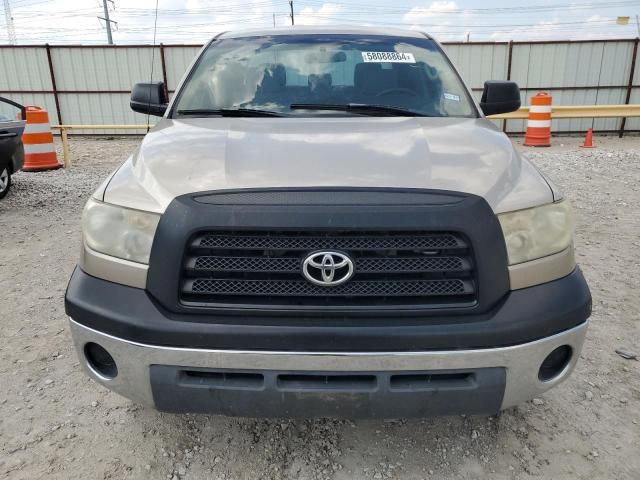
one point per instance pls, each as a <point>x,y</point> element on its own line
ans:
<point>451,96</point>
<point>388,57</point>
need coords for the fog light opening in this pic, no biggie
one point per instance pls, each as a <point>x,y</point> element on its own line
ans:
<point>555,363</point>
<point>100,361</point>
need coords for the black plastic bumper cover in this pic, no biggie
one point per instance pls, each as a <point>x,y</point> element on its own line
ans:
<point>321,394</point>
<point>524,315</point>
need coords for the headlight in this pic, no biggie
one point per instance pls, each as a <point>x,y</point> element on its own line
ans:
<point>117,231</point>
<point>537,232</point>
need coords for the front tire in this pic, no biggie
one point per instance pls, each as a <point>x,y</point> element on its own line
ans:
<point>5,182</point>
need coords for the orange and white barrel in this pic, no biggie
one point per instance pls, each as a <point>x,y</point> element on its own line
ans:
<point>39,150</point>
<point>539,121</point>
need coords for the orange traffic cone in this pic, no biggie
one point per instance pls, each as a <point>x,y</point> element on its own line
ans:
<point>39,151</point>
<point>588,140</point>
<point>539,121</point>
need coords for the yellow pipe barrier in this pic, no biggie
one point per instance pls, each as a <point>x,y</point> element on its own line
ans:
<point>577,111</point>
<point>66,153</point>
<point>101,127</point>
<point>557,112</point>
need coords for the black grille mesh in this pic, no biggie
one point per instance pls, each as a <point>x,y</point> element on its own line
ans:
<point>363,265</point>
<point>247,264</point>
<point>379,242</point>
<point>424,264</point>
<point>390,268</point>
<point>304,288</point>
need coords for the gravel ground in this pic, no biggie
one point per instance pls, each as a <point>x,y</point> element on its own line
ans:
<point>56,423</point>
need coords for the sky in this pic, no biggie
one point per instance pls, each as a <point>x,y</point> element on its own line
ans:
<point>195,21</point>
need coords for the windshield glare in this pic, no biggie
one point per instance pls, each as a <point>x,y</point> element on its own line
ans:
<point>273,72</point>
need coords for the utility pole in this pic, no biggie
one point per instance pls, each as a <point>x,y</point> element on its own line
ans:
<point>274,20</point>
<point>291,7</point>
<point>11,31</point>
<point>107,21</point>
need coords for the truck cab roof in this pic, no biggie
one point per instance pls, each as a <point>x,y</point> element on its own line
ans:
<point>323,30</point>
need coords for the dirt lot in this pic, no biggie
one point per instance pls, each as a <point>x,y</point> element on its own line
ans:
<point>56,423</point>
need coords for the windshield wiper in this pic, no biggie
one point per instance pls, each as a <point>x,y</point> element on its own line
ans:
<point>361,108</point>
<point>229,112</point>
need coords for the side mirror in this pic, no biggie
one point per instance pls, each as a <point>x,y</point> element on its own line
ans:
<point>149,98</point>
<point>500,96</point>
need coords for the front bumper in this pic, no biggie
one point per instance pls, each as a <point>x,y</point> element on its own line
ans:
<point>286,367</point>
<point>522,316</point>
<point>477,381</point>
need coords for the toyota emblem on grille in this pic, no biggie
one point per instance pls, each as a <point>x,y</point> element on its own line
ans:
<point>327,269</point>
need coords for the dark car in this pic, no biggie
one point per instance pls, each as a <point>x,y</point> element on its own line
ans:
<point>11,148</point>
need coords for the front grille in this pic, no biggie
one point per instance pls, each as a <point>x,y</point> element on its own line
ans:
<point>408,269</point>
<point>347,242</point>
<point>363,265</point>
<point>302,288</point>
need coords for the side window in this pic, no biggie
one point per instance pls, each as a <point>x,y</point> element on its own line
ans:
<point>8,111</point>
<point>299,68</point>
<point>454,96</point>
<point>296,78</point>
<point>342,72</point>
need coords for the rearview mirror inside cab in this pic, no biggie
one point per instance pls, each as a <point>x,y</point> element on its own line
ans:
<point>325,57</point>
<point>500,96</point>
<point>149,98</point>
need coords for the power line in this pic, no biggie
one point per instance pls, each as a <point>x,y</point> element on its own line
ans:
<point>21,4</point>
<point>193,23</point>
<point>153,55</point>
<point>585,22</point>
<point>366,8</point>
<point>229,7</point>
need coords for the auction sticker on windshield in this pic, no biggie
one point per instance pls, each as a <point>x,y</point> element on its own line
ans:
<point>386,57</point>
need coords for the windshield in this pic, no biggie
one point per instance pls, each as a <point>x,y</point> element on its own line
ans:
<point>272,73</point>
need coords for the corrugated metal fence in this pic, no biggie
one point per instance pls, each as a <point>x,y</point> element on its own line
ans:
<point>91,84</point>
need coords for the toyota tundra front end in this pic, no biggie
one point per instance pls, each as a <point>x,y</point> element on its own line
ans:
<point>323,223</point>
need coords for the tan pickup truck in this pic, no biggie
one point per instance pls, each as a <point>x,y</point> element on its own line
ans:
<point>324,223</point>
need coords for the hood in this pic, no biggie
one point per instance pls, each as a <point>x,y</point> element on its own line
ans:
<point>194,155</point>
